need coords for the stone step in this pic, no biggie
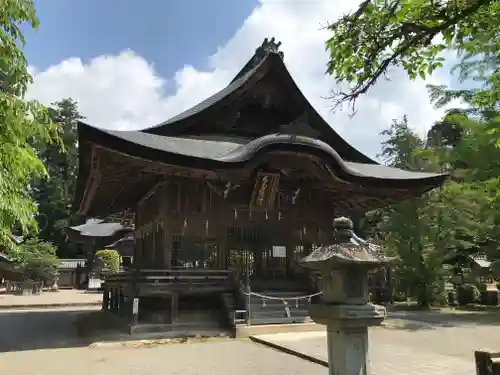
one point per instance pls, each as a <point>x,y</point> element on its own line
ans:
<point>228,300</point>
<point>280,320</point>
<point>182,330</point>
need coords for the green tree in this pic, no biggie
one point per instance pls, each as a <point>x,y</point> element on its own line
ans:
<point>423,231</point>
<point>403,223</point>
<point>54,196</point>
<point>23,123</point>
<point>412,34</point>
<point>36,259</point>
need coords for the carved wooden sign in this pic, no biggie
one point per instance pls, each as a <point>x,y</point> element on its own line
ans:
<point>264,191</point>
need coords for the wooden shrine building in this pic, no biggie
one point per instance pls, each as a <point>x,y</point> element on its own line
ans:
<point>228,196</point>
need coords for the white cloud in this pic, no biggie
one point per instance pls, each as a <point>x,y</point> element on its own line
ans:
<point>125,92</point>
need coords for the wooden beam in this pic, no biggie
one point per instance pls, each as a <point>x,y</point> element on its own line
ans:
<point>161,167</point>
<point>92,181</point>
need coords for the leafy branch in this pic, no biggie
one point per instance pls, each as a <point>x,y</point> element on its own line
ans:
<point>395,33</point>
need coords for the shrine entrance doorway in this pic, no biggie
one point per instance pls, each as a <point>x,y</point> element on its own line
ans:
<point>253,257</point>
<point>194,252</point>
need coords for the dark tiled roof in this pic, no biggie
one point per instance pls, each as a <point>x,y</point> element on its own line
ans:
<point>218,96</point>
<point>96,228</point>
<point>233,152</point>
<point>481,260</point>
<point>195,147</point>
<point>127,238</point>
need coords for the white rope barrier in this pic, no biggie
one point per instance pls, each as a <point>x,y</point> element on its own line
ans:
<point>263,296</point>
<point>284,300</point>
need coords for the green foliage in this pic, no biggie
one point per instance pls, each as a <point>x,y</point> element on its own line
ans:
<point>54,196</point>
<point>24,123</point>
<point>110,259</point>
<point>467,293</point>
<point>457,218</point>
<point>35,259</point>
<point>413,34</point>
<point>495,269</point>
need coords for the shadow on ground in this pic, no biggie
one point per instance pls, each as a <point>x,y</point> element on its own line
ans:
<point>39,329</point>
<point>22,330</point>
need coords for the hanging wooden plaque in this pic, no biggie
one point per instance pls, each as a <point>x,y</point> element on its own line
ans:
<point>264,191</point>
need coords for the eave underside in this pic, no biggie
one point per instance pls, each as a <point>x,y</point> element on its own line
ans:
<point>124,180</point>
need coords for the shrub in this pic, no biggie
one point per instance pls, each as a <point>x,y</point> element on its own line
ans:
<point>467,293</point>
<point>481,287</point>
<point>110,259</point>
<point>440,298</point>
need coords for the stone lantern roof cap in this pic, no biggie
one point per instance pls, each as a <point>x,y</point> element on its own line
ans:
<point>344,251</point>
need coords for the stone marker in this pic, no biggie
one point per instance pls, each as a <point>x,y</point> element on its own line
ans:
<point>345,308</point>
<point>487,362</point>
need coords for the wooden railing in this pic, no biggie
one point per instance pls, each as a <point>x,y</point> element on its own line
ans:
<point>170,276</point>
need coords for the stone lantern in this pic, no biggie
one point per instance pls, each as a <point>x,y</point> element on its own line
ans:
<point>345,308</point>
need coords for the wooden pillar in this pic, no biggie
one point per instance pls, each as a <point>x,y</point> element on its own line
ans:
<point>174,313</point>
<point>389,285</point>
<point>115,301</point>
<point>105,299</point>
<point>118,297</point>
<point>153,244</point>
<point>167,229</point>
<point>112,300</point>
<point>290,256</point>
<point>119,303</point>
<point>167,248</point>
<point>122,302</point>
<point>89,251</point>
<point>136,273</point>
<point>222,247</point>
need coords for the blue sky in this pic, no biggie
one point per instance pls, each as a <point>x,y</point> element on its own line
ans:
<point>132,64</point>
<point>167,33</point>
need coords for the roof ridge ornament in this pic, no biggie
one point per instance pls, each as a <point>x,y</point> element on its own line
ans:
<point>268,46</point>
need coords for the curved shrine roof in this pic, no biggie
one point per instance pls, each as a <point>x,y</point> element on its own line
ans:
<point>229,150</point>
<point>169,141</point>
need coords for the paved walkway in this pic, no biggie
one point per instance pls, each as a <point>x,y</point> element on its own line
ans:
<point>424,350</point>
<point>213,358</point>
<point>47,299</point>
<point>43,342</point>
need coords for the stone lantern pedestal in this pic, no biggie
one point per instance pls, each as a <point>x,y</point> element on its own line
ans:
<point>55,283</point>
<point>345,309</point>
